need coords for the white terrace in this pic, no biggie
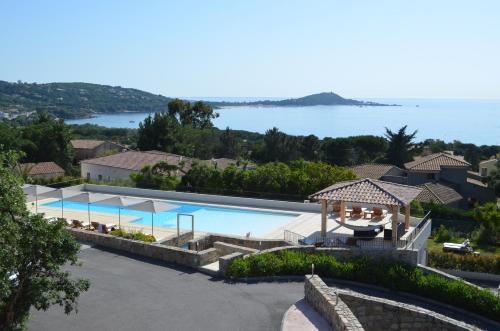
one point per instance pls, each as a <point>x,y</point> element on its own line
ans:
<point>363,212</point>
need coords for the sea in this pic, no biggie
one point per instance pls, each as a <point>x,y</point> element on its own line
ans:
<point>467,120</point>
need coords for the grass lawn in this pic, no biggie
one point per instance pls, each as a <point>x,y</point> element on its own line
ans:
<point>483,249</point>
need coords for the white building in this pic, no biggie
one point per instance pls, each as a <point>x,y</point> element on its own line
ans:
<point>120,166</point>
<point>486,167</point>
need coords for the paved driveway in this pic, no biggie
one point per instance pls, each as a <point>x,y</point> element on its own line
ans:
<point>130,293</point>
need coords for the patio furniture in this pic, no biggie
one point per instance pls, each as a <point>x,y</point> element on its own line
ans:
<point>356,211</point>
<point>376,212</point>
<point>462,248</point>
<point>105,228</point>
<point>336,208</point>
<point>79,224</point>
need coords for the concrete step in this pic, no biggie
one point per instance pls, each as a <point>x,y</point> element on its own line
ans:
<point>211,269</point>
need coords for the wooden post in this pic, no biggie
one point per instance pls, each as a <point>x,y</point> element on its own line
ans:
<point>407,217</point>
<point>394,225</point>
<point>324,206</point>
<point>342,211</point>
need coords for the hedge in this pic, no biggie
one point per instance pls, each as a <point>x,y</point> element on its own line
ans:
<point>488,264</point>
<point>134,235</point>
<point>392,275</point>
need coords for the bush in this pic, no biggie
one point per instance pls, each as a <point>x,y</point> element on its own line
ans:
<point>442,234</point>
<point>393,275</point>
<point>134,235</point>
<point>488,264</point>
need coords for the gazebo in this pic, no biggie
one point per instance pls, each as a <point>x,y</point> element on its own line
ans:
<point>369,192</point>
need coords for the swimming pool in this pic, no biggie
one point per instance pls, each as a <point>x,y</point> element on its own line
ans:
<point>223,220</point>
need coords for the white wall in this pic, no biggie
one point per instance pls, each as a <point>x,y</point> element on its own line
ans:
<point>107,173</point>
<point>202,198</point>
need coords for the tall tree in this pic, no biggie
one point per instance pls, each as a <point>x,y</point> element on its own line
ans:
<point>32,255</point>
<point>48,139</point>
<point>198,115</point>
<point>400,143</point>
<point>230,145</point>
<point>159,132</point>
<point>338,151</point>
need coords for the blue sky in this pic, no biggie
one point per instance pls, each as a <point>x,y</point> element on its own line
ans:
<point>434,49</point>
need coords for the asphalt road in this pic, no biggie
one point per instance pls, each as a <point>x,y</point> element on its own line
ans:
<point>130,293</point>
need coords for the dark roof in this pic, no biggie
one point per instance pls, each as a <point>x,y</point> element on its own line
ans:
<point>369,191</point>
<point>42,168</point>
<point>135,161</point>
<point>438,193</point>
<point>373,170</point>
<point>435,162</point>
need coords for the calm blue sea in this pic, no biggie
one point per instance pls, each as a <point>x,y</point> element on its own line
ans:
<point>470,121</point>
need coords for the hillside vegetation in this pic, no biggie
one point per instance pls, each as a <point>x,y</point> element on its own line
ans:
<point>73,100</point>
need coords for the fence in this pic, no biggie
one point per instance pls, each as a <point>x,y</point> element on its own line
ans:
<point>346,241</point>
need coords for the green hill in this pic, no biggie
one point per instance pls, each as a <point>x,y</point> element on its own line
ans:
<point>73,100</point>
<point>319,99</point>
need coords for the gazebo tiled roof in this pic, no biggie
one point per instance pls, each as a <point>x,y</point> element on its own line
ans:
<point>370,191</point>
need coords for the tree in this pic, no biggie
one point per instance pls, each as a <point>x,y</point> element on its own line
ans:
<point>400,143</point>
<point>493,180</point>
<point>310,148</point>
<point>489,217</point>
<point>48,139</point>
<point>161,176</point>
<point>159,132</point>
<point>197,115</point>
<point>32,254</point>
<point>230,145</point>
<point>337,151</point>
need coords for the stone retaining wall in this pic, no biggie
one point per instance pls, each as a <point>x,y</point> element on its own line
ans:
<point>225,248</point>
<point>329,305</point>
<point>152,250</point>
<point>178,241</point>
<point>259,244</point>
<point>226,260</point>
<point>381,314</point>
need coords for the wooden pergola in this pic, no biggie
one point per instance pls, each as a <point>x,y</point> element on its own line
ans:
<point>368,191</point>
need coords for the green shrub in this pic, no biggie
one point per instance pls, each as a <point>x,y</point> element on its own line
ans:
<point>389,274</point>
<point>134,235</point>
<point>488,264</point>
<point>442,234</point>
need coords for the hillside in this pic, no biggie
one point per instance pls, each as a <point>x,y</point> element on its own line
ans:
<point>73,100</point>
<point>319,99</point>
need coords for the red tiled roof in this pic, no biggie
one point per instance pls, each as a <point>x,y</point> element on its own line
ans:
<point>134,160</point>
<point>438,193</point>
<point>435,162</point>
<point>370,191</point>
<point>373,171</point>
<point>42,168</point>
<point>86,143</point>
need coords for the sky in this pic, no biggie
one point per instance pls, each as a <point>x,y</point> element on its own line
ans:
<point>369,49</point>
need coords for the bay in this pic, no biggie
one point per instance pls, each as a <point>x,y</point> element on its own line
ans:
<point>470,121</point>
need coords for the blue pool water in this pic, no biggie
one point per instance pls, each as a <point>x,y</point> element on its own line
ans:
<point>224,220</point>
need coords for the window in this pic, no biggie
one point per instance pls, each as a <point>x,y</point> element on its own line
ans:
<point>99,177</point>
<point>484,172</point>
<point>88,175</point>
<point>431,176</point>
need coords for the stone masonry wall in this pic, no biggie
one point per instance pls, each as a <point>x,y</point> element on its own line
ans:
<point>327,304</point>
<point>379,314</point>
<point>225,248</point>
<point>152,250</point>
<point>254,243</point>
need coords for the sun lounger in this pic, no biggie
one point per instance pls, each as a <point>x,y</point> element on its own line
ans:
<point>356,211</point>
<point>336,208</point>
<point>79,224</point>
<point>459,248</point>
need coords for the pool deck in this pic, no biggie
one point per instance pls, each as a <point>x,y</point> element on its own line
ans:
<point>305,224</point>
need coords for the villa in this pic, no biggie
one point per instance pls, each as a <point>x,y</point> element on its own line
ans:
<point>90,148</point>
<point>43,170</point>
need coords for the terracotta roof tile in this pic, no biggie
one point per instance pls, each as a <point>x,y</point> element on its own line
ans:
<point>370,191</point>
<point>438,193</point>
<point>42,168</point>
<point>134,160</point>
<point>435,162</point>
<point>373,171</point>
<point>86,143</point>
